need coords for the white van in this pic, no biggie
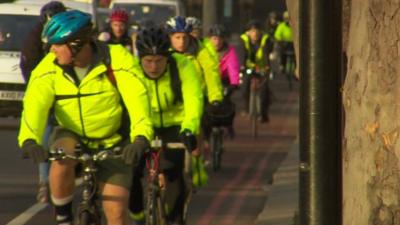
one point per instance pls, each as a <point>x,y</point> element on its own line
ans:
<point>16,21</point>
<point>158,11</point>
<point>84,6</point>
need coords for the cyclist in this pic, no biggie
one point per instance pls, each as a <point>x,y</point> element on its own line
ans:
<point>256,47</point>
<point>117,31</point>
<point>32,52</point>
<point>284,37</point>
<point>228,61</point>
<point>272,24</point>
<point>207,66</point>
<point>176,103</point>
<point>198,34</point>
<point>83,81</point>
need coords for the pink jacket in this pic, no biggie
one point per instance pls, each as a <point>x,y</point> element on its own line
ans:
<point>229,66</point>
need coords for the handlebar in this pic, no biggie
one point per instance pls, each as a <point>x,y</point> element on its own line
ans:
<point>81,156</point>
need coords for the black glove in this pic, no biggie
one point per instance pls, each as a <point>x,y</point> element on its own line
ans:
<point>34,151</point>
<point>133,152</point>
<point>228,91</point>
<point>189,140</point>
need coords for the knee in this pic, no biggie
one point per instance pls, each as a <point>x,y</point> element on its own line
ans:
<point>116,215</point>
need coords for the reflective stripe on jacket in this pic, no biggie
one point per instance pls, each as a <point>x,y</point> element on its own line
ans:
<point>166,113</point>
<point>260,60</point>
<point>92,108</point>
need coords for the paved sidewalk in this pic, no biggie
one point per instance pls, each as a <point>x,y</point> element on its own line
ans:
<point>282,201</point>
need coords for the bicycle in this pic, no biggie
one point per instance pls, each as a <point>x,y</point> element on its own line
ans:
<point>290,65</point>
<point>155,204</point>
<point>256,81</point>
<point>88,211</point>
<point>216,145</point>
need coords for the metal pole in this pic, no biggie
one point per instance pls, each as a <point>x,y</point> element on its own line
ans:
<point>209,14</point>
<point>320,140</point>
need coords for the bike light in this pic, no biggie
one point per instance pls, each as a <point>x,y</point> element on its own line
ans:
<point>248,71</point>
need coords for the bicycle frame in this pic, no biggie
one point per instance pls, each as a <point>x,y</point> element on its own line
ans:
<point>256,80</point>
<point>155,189</point>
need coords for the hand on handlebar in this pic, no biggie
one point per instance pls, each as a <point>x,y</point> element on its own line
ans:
<point>34,151</point>
<point>189,140</point>
<point>133,152</point>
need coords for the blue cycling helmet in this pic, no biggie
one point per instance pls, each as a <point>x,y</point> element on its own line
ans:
<point>73,28</point>
<point>178,24</point>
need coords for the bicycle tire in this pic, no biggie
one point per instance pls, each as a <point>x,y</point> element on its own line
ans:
<point>253,113</point>
<point>215,143</point>
<point>289,70</point>
<point>155,214</point>
<point>87,218</point>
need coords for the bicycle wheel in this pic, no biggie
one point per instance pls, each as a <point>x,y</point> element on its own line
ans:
<point>253,111</point>
<point>86,217</point>
<point>155,209</point>
<point>289,70</point>
<point>216,145</point>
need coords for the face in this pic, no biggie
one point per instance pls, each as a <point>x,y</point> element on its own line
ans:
<point>218,42</point>
<point>154,65</point>
<point>118,28</point>
<point>196,33</point>
<point>254,34</point>
<point>63,53</point>
<point>179,41</point>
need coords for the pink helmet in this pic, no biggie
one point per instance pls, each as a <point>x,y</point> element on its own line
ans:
<point>119,15</point>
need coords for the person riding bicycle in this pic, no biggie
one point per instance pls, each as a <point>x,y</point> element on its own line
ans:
<point>84,83</point>
<point>256,47</point>
<point>228,62</point>
<point>284,37</point>
<point>176,103</point>
<point>207,67</point>
<point>117,31</point>
<point>196,27</point>
<point>198,35</point>
<point>32,52</point>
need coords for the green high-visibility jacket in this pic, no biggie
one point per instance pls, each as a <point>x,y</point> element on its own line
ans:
<point>90,108</point>
<point>260,60</point>
<point>165,112</point>
<point>284,32</point>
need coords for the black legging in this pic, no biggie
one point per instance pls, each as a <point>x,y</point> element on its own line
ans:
<point>171,163</point>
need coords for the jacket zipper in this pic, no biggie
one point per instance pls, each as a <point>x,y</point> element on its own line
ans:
<point>159,104</point>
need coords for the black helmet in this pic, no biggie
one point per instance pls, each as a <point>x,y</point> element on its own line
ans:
<point>253,24</point>
<point>50,9</point>
<point>153,41</point>
<point>218,30</point>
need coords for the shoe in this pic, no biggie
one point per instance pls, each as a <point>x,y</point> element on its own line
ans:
<point>137,218</point>
<point>264,119</point>
<point>43,193</point>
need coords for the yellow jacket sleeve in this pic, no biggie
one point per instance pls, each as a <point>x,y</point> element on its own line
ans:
<point>210,69</point>
<point>133,93</point>
<point>38,99</point>
<point>192,94</point>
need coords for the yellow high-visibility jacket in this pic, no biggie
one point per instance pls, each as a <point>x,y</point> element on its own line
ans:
<point>90,108</point>
<point>260,60</point>
<point>207,67</point>
<point>164,111</point>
